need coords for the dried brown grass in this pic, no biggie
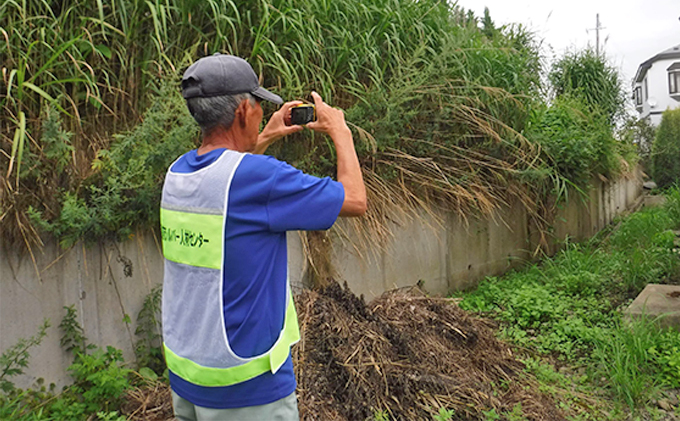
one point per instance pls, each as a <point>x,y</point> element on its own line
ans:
<point>148,403</point>
<point>404,354</point>
<point>407,355</point>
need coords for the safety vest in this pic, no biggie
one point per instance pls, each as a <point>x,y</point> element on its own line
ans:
<point>193,221</point>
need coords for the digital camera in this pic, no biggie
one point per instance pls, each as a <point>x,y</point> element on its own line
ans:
<point>302,114</point>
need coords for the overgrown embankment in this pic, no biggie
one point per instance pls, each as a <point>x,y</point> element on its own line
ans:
<point>446,108</point>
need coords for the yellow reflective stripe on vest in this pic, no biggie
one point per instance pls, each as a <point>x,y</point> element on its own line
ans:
<point>192,238</point>
<point>271,361</point>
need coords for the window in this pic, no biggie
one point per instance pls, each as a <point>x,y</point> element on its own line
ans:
<point>638,95</point>
<point>674,78</point>
<point>674,82</point>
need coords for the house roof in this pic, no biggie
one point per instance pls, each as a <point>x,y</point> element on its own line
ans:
<point>673,52</point>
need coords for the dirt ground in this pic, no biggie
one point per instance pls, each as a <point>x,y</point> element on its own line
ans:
<point>404,355</point>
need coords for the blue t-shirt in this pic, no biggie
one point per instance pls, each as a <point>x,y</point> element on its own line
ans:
<point>267,197</point>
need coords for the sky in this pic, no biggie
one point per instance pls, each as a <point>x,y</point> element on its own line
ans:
<point>633,30</point>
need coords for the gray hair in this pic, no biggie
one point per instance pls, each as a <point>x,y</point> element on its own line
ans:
<point>216,111</point>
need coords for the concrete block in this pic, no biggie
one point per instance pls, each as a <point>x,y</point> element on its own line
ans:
<point>508,243</point>
<point>481,247</point>
<point>417,252</point>
<point>598,204</point>
<point>653,201</point>
<point>297,261</point>
<point>27,297</point>
<point>468,248</point>
<point>657,300</point>
<point>567,219</point>
<point>360,266</point>
<point>634,190</point>
<point>104,283</point>
<point>608,203</point>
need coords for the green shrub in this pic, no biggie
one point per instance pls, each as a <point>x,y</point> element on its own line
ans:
<point>639,133</point>
<point>666,149</point>
<point>575,139</point>
<point>588,76</point>
<point>100,380</point>
<point>125,193</point>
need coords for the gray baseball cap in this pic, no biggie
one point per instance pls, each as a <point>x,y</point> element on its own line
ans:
<point>222,74</point>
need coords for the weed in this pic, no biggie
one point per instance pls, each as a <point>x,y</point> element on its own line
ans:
<point>440,111</point>
<point>73,338</point>
<point>110,416</point>
<point>491,415</point>
<point>672,205</point>
<point>587,75</point>
<point>544,372</point>
<point>516,414</point>
<point>148,348</point>
<point>641,228</point>
<point>126,192</point>
<point>380,415</point>
<point>14,359</point>
<point>99,379</point>
<point>624,356</point>
<point>575,138</point>
<point>26,405</point>
<point>444,415</point>
<point>665,352</point>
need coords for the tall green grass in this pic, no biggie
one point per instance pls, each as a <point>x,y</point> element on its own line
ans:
<point>588,76</point>
<point>439,103</point>
<point>623,358</point>
<point>441,108</point>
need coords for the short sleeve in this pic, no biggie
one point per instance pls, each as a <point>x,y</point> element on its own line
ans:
<point>298,201</point>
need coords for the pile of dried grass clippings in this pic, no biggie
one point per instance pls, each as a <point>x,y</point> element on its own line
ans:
<point>405,355</point>
<point>151,403</point>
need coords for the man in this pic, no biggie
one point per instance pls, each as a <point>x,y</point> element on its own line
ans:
<point>228,315</point>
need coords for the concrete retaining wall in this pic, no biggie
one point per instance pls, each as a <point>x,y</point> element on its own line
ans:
<point>460,253</point>
<point>108,283</point>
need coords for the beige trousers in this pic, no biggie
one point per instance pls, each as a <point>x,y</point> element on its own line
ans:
<point>285,409</point>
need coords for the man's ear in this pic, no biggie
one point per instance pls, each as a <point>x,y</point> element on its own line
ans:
<point>241,112</point>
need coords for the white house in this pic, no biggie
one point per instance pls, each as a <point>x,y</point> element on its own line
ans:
<point>656,86</point>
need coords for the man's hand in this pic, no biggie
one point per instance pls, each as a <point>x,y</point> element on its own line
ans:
<point>277,127</point>
<point>331,121</point>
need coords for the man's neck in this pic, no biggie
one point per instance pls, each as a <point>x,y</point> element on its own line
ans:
<point>220,138</point>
